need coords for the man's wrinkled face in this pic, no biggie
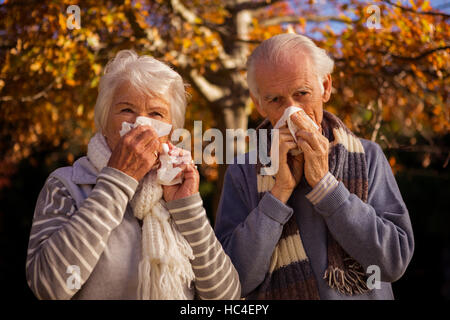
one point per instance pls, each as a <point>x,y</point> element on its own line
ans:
<point>292,82</point>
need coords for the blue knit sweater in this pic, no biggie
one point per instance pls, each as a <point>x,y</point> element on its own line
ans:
<point>376,233</point>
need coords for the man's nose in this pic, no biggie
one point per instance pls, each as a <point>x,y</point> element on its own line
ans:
<point>291,102</point>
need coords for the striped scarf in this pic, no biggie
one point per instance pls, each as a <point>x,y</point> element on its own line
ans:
<point>290,274</point>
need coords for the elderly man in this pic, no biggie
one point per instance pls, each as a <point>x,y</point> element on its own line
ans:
<point>331,222</point>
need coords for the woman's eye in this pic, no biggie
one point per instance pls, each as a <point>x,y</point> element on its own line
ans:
<point>155,114</point>
<point>126,110</point>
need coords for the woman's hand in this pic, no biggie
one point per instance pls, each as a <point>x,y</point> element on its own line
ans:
<point>290,169</point>
<point>191,179</point>
<point>136,152</point>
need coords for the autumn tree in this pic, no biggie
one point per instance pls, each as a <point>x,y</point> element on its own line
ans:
<point>390,82</point>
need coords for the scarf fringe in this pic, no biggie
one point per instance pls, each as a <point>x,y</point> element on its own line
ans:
<point>344,274</point>
<point>160,277</point>
<point>144,287</point>
<point>350,281</point>
<point>165,268</point>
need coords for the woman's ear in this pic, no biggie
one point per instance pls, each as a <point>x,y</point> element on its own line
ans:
<point>258,106</point>
<point>327,85</point>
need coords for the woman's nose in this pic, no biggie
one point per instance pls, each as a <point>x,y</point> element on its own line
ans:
<point>133,118</point>
<point>141,114</point>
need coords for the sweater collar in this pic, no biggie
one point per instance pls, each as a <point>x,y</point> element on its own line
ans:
<point>84,171</point>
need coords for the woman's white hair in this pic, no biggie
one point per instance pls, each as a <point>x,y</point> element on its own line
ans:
<point>283,46</point>
<point>146,74</point>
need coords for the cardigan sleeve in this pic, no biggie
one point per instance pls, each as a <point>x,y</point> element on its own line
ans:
<point>249,235</point>
<point>215,276</point>
<point>378,232</point>
<point>65,241</point>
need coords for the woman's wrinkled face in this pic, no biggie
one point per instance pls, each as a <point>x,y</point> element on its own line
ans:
<point>128,104</point>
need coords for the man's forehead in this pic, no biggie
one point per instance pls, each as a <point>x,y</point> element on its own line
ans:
<point>286,59</point>
<point>297,67</point>
<point>278,81</point>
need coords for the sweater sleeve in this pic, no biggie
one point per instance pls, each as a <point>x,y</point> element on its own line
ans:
<point>249,235</point>
<point>66,242</point>
<point>215,276</point>
<point>378,232</point>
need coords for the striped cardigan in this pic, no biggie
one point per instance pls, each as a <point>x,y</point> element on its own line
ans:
<point>77,228</point>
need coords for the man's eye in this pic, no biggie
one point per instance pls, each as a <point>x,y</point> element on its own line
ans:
<point>275,100</point>
<point>155,114</point>
<point>301,93</point>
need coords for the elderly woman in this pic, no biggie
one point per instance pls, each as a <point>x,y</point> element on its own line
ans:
<point>105,228</point>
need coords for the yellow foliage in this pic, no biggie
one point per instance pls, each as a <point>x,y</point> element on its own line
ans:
<point>49,74</point>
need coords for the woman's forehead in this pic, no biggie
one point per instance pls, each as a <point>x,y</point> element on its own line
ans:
<point>126,92</point>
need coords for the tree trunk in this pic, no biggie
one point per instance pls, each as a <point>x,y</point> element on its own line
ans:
<point>233,109</point>
<point>225,90</point>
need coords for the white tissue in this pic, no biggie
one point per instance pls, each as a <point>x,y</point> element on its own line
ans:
<point>286,117</point>
<point>161,128</point>
<point>167,172</point>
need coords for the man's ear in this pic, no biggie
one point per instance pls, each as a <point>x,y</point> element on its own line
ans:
<point>258,106</point>
<point>327,85</point>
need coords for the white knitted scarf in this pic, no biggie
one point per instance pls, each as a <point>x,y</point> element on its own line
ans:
<point>164,270</point>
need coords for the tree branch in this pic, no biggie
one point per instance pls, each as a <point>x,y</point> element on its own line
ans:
<point>251,5</point>
<point>379,119</point>
<point>34,97</point>
<point>184,12</point>
<point>137,30</point>
<point>210,91</point>
<point>418,57</point>
<point>248,41</point>
<point>420,148</point>
<point>430,13</point>
<point>310,18</point>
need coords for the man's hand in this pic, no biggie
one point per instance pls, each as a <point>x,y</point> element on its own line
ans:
<point>191,179</point>
<point>315,149</point>
<point>290,168</point>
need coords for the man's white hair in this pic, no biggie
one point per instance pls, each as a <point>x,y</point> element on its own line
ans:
<point>147,75</point>
<point>282,46</point>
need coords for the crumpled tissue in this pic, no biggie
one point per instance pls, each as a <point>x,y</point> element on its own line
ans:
<point>286,117</point>
<point>167,172</point>
<point>161,128</point>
